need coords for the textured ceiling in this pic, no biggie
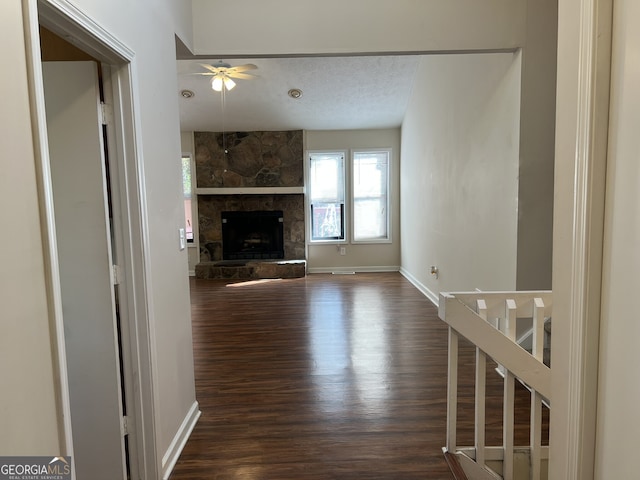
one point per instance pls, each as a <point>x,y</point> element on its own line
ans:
<point>338,93</point>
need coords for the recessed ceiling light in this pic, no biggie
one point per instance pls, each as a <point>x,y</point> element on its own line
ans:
<point>295,93</point>
<point>187,94</point>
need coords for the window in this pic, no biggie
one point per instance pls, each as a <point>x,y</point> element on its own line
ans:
<point>327,196</point>
<point>370,180</point>
<point>187,191</point>
<point>366,201</point>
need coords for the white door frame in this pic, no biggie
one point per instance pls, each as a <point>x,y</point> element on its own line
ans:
<point>66,20</point>
<point>584,53</point>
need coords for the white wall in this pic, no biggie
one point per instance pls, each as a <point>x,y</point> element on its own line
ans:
<point>459,173</point>
<point>618,421</point>
<point>356,26</point>
<point>28,410</point>
<point>359,257</point>
<point>537,147</point>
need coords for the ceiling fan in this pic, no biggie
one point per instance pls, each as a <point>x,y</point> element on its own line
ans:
<point>223,73</point>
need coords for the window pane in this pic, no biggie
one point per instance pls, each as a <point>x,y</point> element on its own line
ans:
<point>327,221</point>
<point>370,196</point>
<point>370,219</point>
<point>326,194</point>
<point>186,177</point>
<point>327,178</point>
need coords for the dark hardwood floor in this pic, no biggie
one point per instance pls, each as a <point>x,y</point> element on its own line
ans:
<point>324,377</point>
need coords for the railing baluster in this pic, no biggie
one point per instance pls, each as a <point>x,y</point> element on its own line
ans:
<point>481,378</point>
<point>536,435</point>
<point>538,329</point>
<point>536,400</point>
<point>509,395</point>
<point>452,391</point>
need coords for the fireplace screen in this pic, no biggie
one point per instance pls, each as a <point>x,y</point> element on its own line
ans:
<point>252,235</point>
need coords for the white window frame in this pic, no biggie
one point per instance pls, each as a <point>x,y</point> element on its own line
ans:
<point>308,202</point>
<point>351,196</point>
<point>349,209</point>
<point>194,199</point>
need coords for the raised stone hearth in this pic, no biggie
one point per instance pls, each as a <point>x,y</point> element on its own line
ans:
<point>252,269</point>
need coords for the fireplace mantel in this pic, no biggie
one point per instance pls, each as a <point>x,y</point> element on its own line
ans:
<point>248,190</point>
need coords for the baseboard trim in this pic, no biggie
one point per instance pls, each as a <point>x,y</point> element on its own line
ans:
<point>420,286</point>
<point>372,269</point>
<point>172,454</point>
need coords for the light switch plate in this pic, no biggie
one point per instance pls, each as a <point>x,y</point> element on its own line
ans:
<point>183,238</point>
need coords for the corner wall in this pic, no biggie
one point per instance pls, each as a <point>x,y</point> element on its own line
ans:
<point>459,173</point>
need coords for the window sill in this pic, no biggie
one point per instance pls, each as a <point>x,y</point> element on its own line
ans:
<point>382,241</point>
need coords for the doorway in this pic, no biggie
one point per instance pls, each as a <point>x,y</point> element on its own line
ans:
<point>84,231</point>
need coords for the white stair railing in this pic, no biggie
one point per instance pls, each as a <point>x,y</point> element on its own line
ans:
<point>489,320</point>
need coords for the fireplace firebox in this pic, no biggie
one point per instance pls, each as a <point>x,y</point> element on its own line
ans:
<point>252,235</point>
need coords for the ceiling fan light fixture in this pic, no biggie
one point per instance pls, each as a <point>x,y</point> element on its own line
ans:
<point>216,83</point>
<point>228,83</point>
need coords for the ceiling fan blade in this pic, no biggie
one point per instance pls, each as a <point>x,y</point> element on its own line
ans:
<point>242,76</point>
<point>242,68</point>
<point>209,74</point>
<point>211,68</point>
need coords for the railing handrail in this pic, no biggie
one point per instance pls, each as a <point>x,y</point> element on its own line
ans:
<point>464,320</point>
<point>494,301</point>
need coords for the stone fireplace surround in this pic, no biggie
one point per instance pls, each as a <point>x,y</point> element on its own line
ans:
<point>260,171</point>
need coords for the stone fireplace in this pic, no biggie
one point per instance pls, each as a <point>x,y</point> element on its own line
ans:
<point>259,172</point>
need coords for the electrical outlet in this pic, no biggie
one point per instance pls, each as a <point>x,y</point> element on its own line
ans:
<point>343,250</point>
